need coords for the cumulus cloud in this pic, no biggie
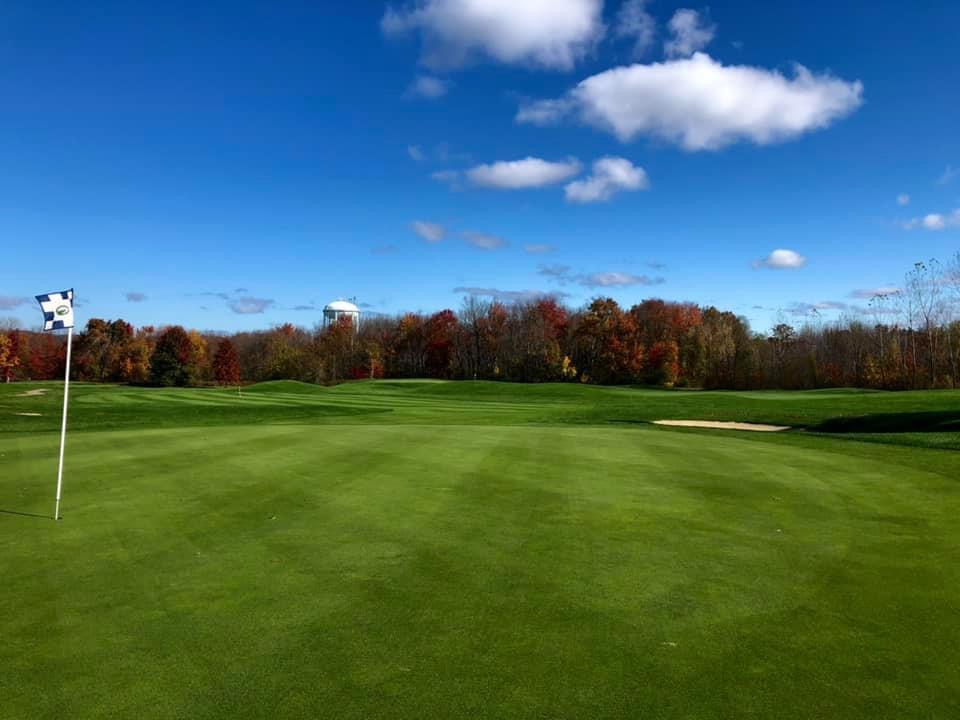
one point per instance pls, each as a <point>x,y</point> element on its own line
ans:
<point>564,275</point>
<point>701,104</point>
<point>529,172</point>
<point>933,221</point>
<point>135,297</point>
<point>507,296</point>
<point>9,303</point>
<point>431,232</point>
<point>551,34</point>
<point>781,260</point>
<point>871,293</point>
<point>610,176</point>
<point>428,87</point>
<point>483,241</point>
<point>903,199</point>
<point>689,32</point>
<point>633,21</point>
<point>249,305</point>
<point>538,248</point>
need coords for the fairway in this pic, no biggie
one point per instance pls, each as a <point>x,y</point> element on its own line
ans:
<point>479,550</point>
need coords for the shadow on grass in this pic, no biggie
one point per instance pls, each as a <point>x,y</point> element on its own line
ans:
<point>23,514</point>
<point>911,422</point>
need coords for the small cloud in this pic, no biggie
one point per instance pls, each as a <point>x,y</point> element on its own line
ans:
<point>240,290</point>
<point>933,221</point>
<point>616,279</point>
<point>249,305</point>
<point>304,307</point>
<point>948,175</point>
<point>9,303</point>
<point>483,241</point>
<point>538,248</point>
<point>365,306</point>
<point>428,231</point>
<point>564,275</point>
<point>610,176</point>
<point>903,199</point>
<point>656,265</point>
<point>634,22</point>
<point>508,296</point>
<point>781,260</point>
<point>428,87</point>
<point>384,249</point>
<point>135,297</point>
<point>529,172</point>
<point>691,32</point>
<point>871,293</point>
<point>415,153</point>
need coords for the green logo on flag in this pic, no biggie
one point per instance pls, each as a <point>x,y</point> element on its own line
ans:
<point>63,310</point>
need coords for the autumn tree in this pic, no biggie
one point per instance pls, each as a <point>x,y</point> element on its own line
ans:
<point>226,364</point>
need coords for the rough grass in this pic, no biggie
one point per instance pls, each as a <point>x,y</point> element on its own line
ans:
<point>475,550</point>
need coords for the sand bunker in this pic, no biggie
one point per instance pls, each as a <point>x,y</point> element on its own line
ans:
<point>32,393</point>
<point>717,425</point>
<point>29,414</point>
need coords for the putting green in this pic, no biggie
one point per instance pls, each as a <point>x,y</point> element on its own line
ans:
<point>438,550</point>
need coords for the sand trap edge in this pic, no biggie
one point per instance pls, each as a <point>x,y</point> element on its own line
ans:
<point>719,425</point>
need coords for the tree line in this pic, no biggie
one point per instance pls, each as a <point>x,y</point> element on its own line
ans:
<point>908,338</point>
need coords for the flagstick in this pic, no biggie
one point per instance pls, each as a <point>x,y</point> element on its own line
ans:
<point>63,428</point>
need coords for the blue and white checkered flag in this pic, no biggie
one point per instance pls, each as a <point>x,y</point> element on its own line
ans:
<point>57,310</point>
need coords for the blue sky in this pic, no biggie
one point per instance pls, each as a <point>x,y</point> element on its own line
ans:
<point>221,164</point>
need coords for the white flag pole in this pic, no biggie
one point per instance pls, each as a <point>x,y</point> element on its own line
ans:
<point>63,427</point>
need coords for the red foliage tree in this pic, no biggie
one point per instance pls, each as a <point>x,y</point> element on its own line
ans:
<point>226,364</point>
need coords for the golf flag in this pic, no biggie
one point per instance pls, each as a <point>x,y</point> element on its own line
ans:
<point>57,310</point>
<point>58,315</point>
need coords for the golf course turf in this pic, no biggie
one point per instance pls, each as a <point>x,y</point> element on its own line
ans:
<point>413,549</point>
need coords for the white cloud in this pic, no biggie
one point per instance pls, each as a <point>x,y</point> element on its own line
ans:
<point>450,178</point>
<point>428,87</point>
<point>136,297</point>
<point>610,176</point>
<point>249,305</point>
<point>415,153</point>
<point>903,199</point>
<point>782,260</point>
<point>690,33</point>
<point>483,241</point>
<point>564,275</point>
<point>870,293</point>
<point>538,248</point>
<point>701,104</point>
<point>616,279</point>
<point>934,221</point>
<point>545,33</point>
<point>633,21</point>
<point>431,232</point>
<point>530,172</point>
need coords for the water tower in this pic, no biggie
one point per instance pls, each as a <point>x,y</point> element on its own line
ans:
<point>337,309</point>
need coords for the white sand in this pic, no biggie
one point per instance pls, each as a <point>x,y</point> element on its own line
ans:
<point>717,425</point>
<point>29,414</point>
